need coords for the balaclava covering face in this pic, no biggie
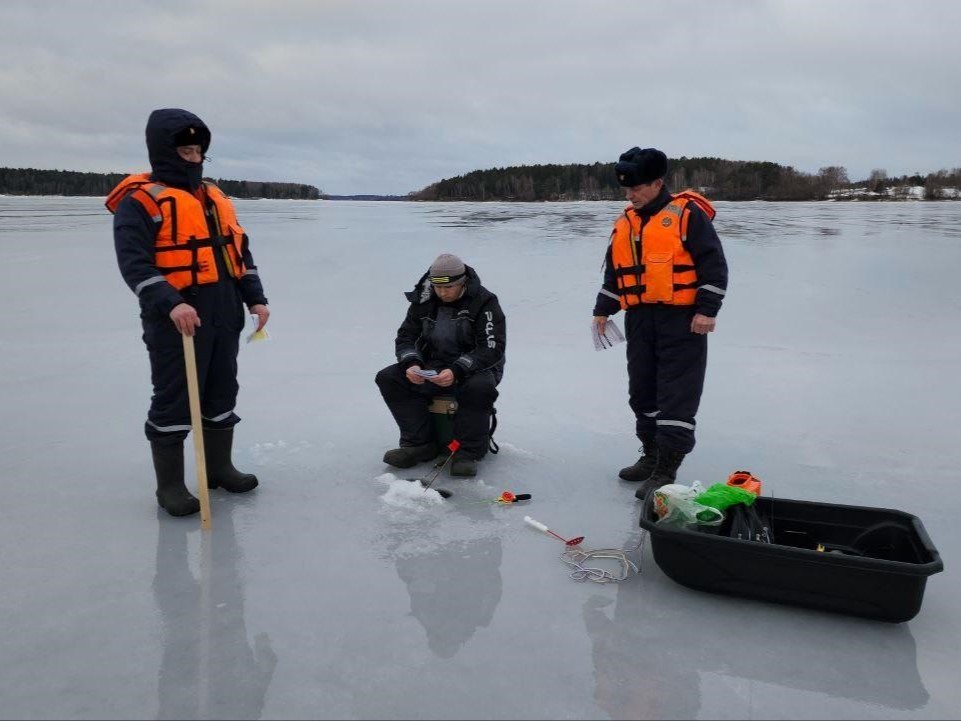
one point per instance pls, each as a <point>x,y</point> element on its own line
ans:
<point>166,129</point>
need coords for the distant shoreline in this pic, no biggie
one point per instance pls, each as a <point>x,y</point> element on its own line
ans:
<point>74,184</point>
<point>103,197</point>
<point>368,196</point>
<point>353,199</point>
<point>715,178</point>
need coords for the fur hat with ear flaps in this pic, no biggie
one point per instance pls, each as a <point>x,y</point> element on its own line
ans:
<point>639,166</point>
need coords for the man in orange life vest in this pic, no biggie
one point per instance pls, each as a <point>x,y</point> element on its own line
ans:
<point>666,268</point>
<point>182,252</point>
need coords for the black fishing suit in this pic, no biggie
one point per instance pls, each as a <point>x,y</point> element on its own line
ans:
<point>467,336</point>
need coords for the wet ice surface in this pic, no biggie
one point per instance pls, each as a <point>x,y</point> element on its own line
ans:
<point>340,590</point>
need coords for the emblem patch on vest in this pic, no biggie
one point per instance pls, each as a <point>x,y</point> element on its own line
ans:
<point>666,222</point>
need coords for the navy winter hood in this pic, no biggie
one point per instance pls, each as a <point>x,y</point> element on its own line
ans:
<point>166,129</point>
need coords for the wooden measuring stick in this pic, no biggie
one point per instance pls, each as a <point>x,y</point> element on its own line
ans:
<point>196,424</point>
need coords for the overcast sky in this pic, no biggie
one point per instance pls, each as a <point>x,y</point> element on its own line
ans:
<point>387,96</point>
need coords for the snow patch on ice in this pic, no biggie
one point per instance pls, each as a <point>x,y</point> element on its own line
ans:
<point>404,494</point>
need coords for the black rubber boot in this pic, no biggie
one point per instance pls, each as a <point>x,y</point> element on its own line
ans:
<point>172,494</point>
<point>665,471</point>
<point>221,473</point>
<point>463,467</point>
<point>407,456</point>
<point>644,467</point>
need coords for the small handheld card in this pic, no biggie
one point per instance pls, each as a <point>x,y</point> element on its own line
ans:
<point>257,335</point>
<point>609,338</point>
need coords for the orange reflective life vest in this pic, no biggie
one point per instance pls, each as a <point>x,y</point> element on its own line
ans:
<point>184,248</point>
<point>651,262</point>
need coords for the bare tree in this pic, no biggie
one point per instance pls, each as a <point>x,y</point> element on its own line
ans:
<point>877,179</point>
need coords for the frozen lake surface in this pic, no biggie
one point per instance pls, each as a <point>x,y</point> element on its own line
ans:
<point>336,591</point>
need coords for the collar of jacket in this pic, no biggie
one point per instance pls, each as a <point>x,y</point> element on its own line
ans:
<point>656,205</point>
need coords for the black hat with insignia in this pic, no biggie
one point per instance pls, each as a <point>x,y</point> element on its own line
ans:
<point>639,166</point>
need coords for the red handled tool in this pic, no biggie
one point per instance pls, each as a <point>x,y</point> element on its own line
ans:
<point>506,498</point>
<point>453,446</point>
<point>576,541</point>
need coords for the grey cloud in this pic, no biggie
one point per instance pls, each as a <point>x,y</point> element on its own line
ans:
<point>386,97</point>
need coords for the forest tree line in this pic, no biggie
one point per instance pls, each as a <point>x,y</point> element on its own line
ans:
<point>719,179</point>
<point>30,181</point>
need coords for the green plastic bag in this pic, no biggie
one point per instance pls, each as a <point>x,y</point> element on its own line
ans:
<point>722,496</point>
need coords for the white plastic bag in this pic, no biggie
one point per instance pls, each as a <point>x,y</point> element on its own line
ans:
<point>675,505</point>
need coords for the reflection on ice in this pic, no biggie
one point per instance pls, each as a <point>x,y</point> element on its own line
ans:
<point>647,671</point>
<point>208,669</point>
<point>454,590</point>
<point>448,554</point>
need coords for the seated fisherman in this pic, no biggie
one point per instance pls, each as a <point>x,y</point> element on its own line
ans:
<point>455,328</point>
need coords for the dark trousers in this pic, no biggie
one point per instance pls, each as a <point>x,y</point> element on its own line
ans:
<point>665,367</point>
<point>215,348</point>
<point>408,404</point>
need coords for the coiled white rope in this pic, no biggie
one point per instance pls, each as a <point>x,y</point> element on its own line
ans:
<point>576,556</point>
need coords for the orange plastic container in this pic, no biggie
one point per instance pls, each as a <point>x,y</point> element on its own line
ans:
<point>745,480</point>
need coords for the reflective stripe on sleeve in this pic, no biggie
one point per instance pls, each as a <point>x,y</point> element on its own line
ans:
<point>150,281</point>
<point>615,296</point>
<point>713,289</point>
